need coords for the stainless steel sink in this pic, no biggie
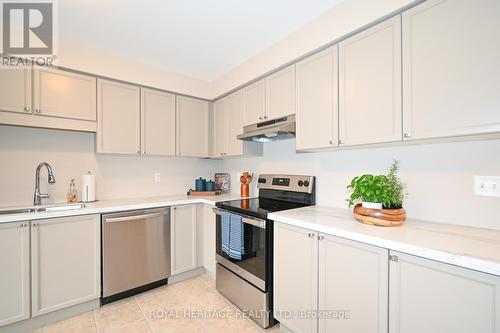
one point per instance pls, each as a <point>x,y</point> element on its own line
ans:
<point>51,208</point>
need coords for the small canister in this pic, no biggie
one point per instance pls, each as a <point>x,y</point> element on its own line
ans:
<point>211,185</point>
<point>200,184</point>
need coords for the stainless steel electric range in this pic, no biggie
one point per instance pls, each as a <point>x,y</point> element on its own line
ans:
<point>244,242</point>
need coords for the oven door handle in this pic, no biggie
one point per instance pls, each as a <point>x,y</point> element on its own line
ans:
<point>259,223</point>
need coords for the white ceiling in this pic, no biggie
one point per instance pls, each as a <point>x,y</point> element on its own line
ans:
<point>202,39</point>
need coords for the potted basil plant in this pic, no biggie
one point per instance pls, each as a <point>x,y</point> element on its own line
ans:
<point>378,196</point>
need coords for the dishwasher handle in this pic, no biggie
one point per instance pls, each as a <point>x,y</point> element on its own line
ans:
<point>133,217</point>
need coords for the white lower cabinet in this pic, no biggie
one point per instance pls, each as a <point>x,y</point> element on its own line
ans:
<point>208,253</point>
<point>183,238</point>
<point>65,262</point>
<point>342,282</point>
<point>433,297</point>
<point>295,277</point>
<point>15,276</point>
<point>359,288</point>
<point>353,277</point>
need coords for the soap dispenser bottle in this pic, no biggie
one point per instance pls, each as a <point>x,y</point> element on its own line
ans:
<point>72,193</point>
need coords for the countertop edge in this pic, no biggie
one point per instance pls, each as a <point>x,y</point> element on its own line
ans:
<point>477,264</point>
<point>116,207</point>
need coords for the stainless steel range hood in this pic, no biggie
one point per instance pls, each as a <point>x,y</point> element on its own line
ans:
<point>271,130</point>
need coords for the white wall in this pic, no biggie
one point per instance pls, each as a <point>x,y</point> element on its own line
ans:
<point>439,177</point>
<point>71,154</point>
<point>120,68</point>
<point>342,19</point>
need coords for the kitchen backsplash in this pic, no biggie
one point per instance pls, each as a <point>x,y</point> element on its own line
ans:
<point>71,154</point>
<point>439,177</point>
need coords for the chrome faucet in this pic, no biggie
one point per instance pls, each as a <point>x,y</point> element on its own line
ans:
<point>37,200</point>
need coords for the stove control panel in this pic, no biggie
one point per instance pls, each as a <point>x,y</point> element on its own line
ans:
<point>294,183</point>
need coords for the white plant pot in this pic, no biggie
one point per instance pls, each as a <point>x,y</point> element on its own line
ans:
<point>372,205</point>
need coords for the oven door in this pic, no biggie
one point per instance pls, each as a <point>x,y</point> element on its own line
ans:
<point>254,264</point>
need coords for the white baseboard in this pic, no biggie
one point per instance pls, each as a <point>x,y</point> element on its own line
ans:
<point>49,318</point>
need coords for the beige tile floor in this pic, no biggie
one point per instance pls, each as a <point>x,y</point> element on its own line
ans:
<point>189,306</point>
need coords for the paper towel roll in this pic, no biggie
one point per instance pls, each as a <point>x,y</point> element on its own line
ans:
<point>88,187</point>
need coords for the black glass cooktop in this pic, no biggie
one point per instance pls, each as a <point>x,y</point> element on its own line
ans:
<point>258,207</point>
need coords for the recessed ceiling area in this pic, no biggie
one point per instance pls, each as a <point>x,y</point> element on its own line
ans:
<point>199,39</point>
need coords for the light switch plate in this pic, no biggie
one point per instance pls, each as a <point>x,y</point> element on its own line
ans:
<point>157,177</point>
<point>487,186</point>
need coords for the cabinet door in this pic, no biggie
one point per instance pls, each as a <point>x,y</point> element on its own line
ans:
<point>234,147</point>
<point>118,123</point>
<point>432,297</point>
<point>280,93</point>
<point>451,76</point>
<point>254,103</point>
<point>192,127</point>
<point>65,262</point>
<point>370,85</point>
<point>15,277</point>
<point>220,127</point>
<point>64,94</point>
<point>157,123</point>
<point>353,277</point>
<point>295,277</point>
<point>183,233</point>
<point>317,100</point>
<point>15,89</point>
<point>209,239</point>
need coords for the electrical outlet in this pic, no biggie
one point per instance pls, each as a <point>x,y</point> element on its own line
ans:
<point>157,177</point>
<point>487,186</point>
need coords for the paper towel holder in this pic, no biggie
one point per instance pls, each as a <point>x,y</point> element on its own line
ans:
<point>86,191</point>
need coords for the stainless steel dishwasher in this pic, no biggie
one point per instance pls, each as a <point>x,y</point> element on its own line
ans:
<point>135,252</point>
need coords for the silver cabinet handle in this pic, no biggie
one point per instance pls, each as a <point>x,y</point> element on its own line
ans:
<point>138,151</point>
<point>260,118</point>
<point>38,110</point>
<point>133,217</point>
<point>341,142</point>
<point>27,109</point>
<point>321,237</point>
<point>407,135</point>
<point>310,235</point>
<point>265,117</point>
<point>332,142</point>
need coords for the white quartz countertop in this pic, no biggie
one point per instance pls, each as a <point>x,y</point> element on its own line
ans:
<point>110,206</point>
<point>473,248</point>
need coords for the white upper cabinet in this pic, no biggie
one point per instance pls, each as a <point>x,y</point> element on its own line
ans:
<point>157,123</point>
<point>432,297</point>
<point>220,127</point>
<point>118,124</point>
<point>317,100</point>
<point>370,85</point>
<point>192,127</point>
<point>280,93</point>
<point>64,94</point>
<point>15,89</point>
<point>234,147</point>
<point>15,276</point>
<point>254,103</point>
<point>451,76</point>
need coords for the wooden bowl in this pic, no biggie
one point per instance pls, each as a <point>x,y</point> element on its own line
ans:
<point>380,217</point>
